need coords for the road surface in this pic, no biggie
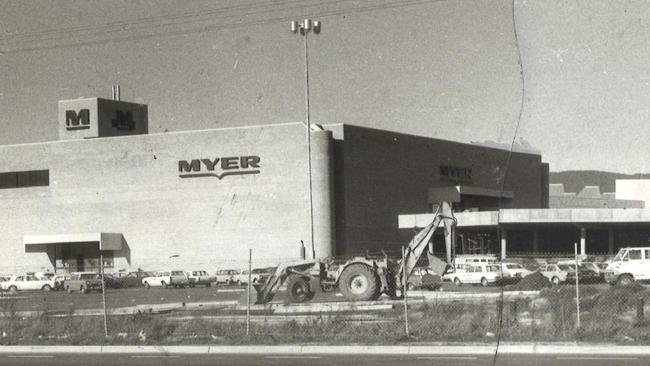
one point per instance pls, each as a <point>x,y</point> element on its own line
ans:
<point>322,360</point>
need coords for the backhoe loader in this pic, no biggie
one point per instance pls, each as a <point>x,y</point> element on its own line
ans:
<point>360,278</point>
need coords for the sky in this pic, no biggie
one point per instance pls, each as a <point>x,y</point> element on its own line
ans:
<point>445,69</point>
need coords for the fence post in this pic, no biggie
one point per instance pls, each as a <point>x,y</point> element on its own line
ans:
<point>639,310</point>
<point>248,287</point>
<point>575,249</point>
<point>404,285</point>
<point>500,308</point>
<point>513,312</point>
<point>101,269</point>
<point>562,320</point>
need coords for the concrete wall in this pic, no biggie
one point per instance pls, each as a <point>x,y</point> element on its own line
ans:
<point>589,197</point>
<point>131,185</point>
<point>382,174</point>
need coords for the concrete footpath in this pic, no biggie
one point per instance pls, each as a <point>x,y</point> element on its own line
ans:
<point>473,349</point>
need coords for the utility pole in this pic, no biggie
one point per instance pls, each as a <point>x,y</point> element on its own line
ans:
<point>304,29</point>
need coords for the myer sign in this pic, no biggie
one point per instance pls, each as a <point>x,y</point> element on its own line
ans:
<point>219,167</point>
<point>77,120</point>
<point>455,173</point>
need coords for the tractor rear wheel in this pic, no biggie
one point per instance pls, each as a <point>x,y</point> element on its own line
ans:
<point>359,282</point>
<point>298,289</point>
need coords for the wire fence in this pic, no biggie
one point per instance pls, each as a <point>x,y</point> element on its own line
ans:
<point>573,304</point>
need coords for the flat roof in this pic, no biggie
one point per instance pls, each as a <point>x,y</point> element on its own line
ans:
<point>535,216</point>
<point>107,241</point>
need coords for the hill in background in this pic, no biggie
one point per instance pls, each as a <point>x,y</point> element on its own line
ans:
<point>575,180</point>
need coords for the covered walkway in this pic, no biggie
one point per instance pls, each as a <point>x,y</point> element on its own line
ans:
<point>547,231</point>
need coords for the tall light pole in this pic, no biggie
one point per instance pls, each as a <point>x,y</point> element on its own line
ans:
<point>304,29</point>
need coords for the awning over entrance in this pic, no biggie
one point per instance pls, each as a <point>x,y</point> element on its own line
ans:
<point>107,241</point>
<point>553,230</point>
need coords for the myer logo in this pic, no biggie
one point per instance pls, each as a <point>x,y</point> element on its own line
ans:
<point>77,120</point>
<point>123,121</point>
<point>228,166</point>
<point>455,174</point>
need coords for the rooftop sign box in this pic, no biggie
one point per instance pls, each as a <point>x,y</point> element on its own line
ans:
<point>97,117</point>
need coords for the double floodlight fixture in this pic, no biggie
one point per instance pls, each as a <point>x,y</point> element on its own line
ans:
<point>306,26</point>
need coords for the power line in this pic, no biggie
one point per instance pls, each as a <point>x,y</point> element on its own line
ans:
<point>393,5</point>
<point>140,21</point>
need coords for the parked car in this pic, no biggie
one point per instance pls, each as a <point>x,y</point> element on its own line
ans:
<point>475,259</point>
<point>241,278</point>
<point>131,279</point>
<point>47,275</point>
<point>629,265</point>
<point>423,278</point>
<point>594,266</point>
<point>484,274</point>
<point>585,274</point>
<point>258,275</point>
<point>263,274</point>
<point>227,276</point>
<point>59,281</point>
<point>200,278</point>
<point>84,282</point>
<point>511,270</point>
<point>554,273</point>
<point>166,279</point>
<point>27,282</point>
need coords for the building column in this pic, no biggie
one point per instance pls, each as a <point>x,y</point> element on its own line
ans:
<point>504,235</point>
<point>583,241</point>
<point>535,241</point>
<point>463,243</point>
<point>610,241</point>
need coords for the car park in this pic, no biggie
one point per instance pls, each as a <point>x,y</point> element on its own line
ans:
<point>227,276</point>
<point>84,282</point>
<point>165,279</point>
<point>200,277</point>
<point>130,279</point>
<point>27,282</point>
<point>481,273</point>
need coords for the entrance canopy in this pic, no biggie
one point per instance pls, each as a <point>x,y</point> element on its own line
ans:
<point>107,241</point>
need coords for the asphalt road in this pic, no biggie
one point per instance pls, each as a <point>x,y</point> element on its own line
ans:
<point>324,360</point>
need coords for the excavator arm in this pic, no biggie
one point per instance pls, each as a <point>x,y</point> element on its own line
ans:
<point>422,239</point>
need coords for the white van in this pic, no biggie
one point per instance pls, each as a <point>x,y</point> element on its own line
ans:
<point>629,265</point>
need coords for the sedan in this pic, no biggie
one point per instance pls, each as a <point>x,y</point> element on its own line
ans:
<point>27,282</point>
<point>483,274</point>
<point>132,279</point>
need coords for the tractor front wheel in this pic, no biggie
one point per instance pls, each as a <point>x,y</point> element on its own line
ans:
<point>298,288</point>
